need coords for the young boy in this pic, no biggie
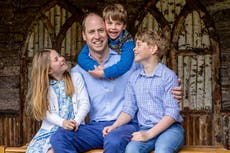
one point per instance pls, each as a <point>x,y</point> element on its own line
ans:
<point>120,40</point>
<point>148,96</point>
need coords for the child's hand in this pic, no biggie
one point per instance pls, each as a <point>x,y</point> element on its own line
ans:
<point>140,136</point>
<point>98,72</point>
<point>69,124</point>
<point>107,129</point>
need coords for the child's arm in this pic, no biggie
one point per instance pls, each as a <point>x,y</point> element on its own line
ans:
<point>52,115</point>
<point>82,104</point>
<point>128,111</point>
<point>55,119</point>
<point>84,60</point>
<point>98,72</point>
<point>126,61</point>
<point>166,122</point>
<point>122,119</point>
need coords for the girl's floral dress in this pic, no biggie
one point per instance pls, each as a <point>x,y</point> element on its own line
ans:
<point>41,141</point>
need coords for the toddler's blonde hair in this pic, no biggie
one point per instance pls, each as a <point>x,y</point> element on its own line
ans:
<point>115,12</point>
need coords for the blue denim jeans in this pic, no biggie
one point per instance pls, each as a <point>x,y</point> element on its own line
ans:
<point>90,137</point>
<point>169,141</point>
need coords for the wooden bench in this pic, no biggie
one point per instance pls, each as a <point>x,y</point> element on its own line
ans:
<point>185,149</point>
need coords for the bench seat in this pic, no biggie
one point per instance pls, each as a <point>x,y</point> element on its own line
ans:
<point>185,149</point>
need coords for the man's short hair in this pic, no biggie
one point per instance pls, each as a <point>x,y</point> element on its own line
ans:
<point>86,16</point>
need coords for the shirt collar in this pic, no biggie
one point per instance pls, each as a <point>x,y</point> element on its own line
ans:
<point>111,53</point>
<point>156,72</point>
<point>53,82</point>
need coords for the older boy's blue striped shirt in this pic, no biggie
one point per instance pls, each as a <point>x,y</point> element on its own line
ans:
<point>150,98</point>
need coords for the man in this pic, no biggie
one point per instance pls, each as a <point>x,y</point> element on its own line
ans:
<point>106,99</point>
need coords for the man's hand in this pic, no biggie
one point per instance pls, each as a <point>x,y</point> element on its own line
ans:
<point>178,91</point>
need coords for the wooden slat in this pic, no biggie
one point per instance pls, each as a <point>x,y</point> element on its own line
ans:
<point>171,10</point>
<point>36,43</point>
<point>200,83</point>
<point>68,43</point>
<point>57,19</point>
<point>40,35</point>
<point>2,149</point>
<point>205,42</point>
<point>79,42</point>
<point>181,76</point>
<point>73,43</point>
<point>164,7</point>
<point>192,87</point>
<point>179,5</point>
<point>30,45</point>
<point>186,72</point>
<point>51,16</point>
<point>16,149</point>
<point>196,129</point>
<point>208,83</point>
<point>188,30</point>
<point>1,131</point>
<point>63,19</point>
<point>196,30</point>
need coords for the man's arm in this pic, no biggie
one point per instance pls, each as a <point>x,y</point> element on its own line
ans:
<point>178,91</point>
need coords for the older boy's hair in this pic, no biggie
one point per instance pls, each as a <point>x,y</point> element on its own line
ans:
<point>115,12</point>
<point>152,37</point>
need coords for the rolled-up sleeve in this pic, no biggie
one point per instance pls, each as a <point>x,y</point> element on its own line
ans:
<point>170,103</point>
<point>82,98</point>
<point>130,105</point>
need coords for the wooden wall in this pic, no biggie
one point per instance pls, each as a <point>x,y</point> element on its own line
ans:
<point>28,26</point>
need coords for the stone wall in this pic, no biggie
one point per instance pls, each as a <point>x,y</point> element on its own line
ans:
<point>9,59</point>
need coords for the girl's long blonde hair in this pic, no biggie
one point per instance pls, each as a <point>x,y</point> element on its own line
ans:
<point>39,86</point>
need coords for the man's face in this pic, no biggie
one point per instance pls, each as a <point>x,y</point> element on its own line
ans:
<point>95,35</point>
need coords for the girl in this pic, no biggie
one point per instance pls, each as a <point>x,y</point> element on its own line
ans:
<point>56,98</point>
